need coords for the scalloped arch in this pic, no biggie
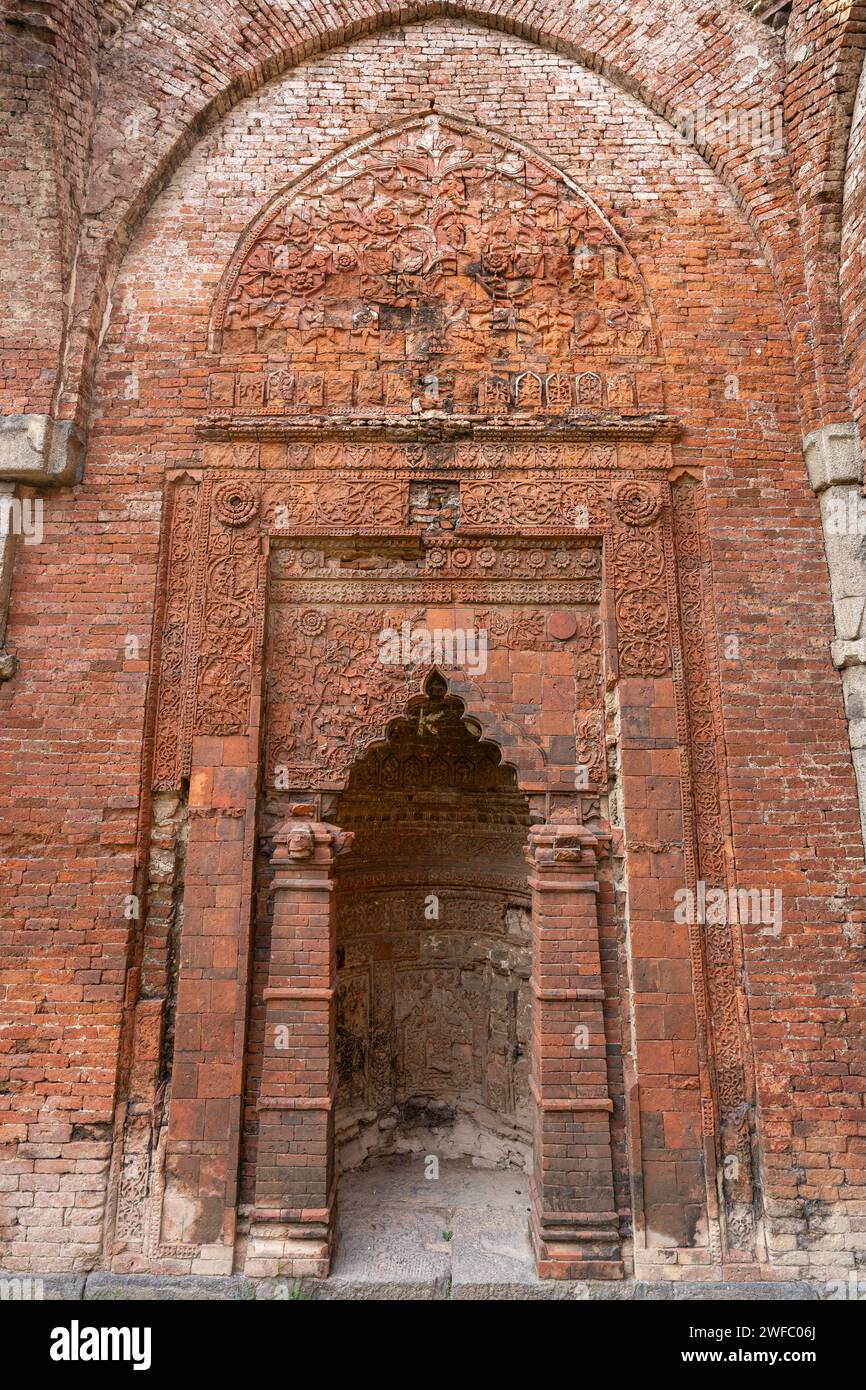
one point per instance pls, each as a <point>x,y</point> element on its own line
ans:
<point>518,754</point>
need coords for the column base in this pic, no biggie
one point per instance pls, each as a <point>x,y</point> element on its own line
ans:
<point>570,1251</point>
<point>279,1248</point>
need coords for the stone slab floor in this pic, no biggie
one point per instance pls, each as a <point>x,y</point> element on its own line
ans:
<point>403,1235</point>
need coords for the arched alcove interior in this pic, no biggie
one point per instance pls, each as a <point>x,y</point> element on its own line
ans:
<point>433,946</point>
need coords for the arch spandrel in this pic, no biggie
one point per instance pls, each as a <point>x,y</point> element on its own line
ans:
<point>433,266</point>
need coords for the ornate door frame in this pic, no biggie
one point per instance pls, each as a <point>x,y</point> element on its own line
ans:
<point>180,1162</point>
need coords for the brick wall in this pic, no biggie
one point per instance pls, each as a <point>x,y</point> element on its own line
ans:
<point>47,99</point>
<point>715,239</point>
<point>854,256</point>
<point>824,51</point>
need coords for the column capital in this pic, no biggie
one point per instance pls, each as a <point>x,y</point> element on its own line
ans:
<point>566,845</point>
<point>302,840</point>
<point>36,451</point>
<point>848,654</point>
<point>834,456</point>
<point>39,450</point>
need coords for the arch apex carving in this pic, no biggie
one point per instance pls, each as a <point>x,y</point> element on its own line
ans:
<point>510,759</point>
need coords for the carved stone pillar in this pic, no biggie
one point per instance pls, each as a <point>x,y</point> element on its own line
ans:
<point>8,539</point>
<point>35,452</point>
<point>293,1220</point>
<point>573,1224</point>
<point>834,459</point>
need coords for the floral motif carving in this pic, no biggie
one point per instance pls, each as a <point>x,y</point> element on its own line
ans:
<point>469,591</point>
<point>642,617</point>
<point>535,503</point>
<point>637,503</point>
<point>209,642</point>
<point>235,503</point>
<point>721,974</point>
<point>305,502</point>
<point>330,693</point>
<point>417,258</point>
<point>179,587</point>
<point>590,748</point>
<point>518,630</point>
<point>230,598</point>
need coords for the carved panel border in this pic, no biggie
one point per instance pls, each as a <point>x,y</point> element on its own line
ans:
<point>707,858</point>
<point>222,521</point>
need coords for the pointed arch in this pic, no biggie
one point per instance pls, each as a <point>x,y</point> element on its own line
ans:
<point>127,182</point>
<point>438,145</point>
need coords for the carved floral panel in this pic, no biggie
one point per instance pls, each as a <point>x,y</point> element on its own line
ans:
<point>434,265</point>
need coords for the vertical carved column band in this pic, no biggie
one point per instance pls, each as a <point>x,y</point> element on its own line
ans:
<point>293,1220</point>
<point>574,1226</point>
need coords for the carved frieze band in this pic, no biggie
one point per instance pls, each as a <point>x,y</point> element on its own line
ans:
<point>700,737</point>
<point>499,453</point>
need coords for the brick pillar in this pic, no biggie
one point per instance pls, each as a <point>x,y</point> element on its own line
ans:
<point>292,1226</point>
<point>198,1214</point>
<point>574,1224</point>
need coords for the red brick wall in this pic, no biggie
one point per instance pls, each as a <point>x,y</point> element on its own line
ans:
<point>72,721</point>
<point>47,95</point>
<point>824,50</point>
<point>152,112</point>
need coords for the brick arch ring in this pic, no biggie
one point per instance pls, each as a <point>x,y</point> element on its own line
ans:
<point>547,31</point>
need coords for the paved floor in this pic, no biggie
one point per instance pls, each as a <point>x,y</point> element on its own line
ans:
<point>404,1234</point>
